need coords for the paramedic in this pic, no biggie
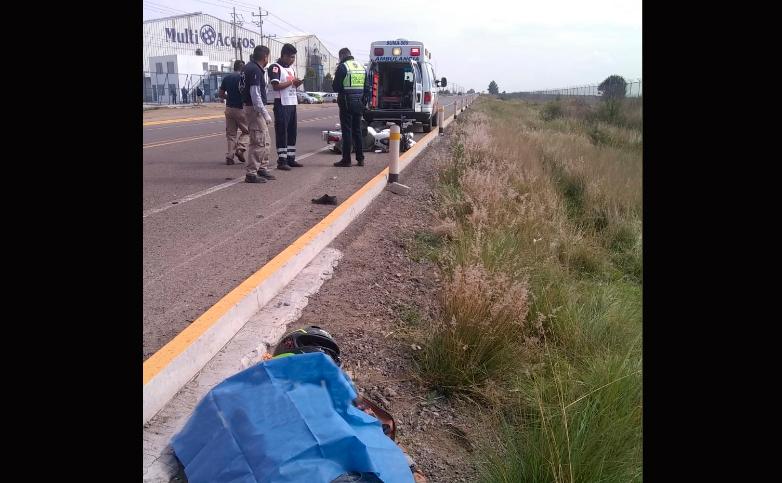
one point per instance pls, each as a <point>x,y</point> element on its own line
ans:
<point>282,77</point>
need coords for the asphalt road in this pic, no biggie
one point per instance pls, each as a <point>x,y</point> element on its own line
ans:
<point>205,230</point>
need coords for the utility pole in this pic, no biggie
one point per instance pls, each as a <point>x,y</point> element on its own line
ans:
<point>237,47</point>
<point>260,16</point>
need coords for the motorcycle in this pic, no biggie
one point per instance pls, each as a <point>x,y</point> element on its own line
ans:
<point>372,139</point>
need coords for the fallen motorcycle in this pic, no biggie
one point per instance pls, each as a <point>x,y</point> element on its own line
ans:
<point>373,140</point>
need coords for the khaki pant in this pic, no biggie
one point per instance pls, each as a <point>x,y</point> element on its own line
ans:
<point>234,119</point>
<point>258,151</point>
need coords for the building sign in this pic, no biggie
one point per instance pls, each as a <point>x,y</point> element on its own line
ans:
<point>207,36</point>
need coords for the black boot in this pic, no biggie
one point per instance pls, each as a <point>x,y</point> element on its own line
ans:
<point>342,164</point>
<point>264,173</point>
<point>253,178</point>
<point>283,166</point>
<point>292,163</point>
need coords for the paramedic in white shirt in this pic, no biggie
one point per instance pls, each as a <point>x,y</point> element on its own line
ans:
<point>282,77</point>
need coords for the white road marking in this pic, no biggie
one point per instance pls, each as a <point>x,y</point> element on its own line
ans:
<point>213,189</point>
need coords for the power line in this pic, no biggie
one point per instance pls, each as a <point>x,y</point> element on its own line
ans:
<point>166,7</point>
<point>163,8</point>
<point>160,11</point>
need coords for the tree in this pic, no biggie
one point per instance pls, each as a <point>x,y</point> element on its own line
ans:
<point>493,89</point>
<point>471,91</point>
<point>613,87</point>
<point>327,80</point>
<point>309,79</point>
<point>613,91</point>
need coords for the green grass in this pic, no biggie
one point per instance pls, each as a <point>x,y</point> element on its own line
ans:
<point>409,315</point>
<point>541,312</point>
<point>424,246</point>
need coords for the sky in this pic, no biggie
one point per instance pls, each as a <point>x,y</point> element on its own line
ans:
<point>522,45</point>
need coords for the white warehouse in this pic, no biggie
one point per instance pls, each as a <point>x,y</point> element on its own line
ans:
<point>186,51</point>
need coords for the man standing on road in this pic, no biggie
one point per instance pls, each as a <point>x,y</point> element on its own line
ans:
<point>184,96</point>
<point>172,91</point>
<point>199,95</point>
<point>234,115</point>
<point>252,84</point>
<point>349,83</point>
<point>284,82</point>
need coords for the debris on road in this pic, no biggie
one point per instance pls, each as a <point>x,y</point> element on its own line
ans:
<point>399,189</point>
<point>325,200</point>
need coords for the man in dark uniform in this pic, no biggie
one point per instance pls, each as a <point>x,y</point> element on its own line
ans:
<point>234,115</point>
<point>253,87</point>
<point>350,86</point>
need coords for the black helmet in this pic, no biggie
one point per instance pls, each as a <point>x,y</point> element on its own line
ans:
<point>308,339</point>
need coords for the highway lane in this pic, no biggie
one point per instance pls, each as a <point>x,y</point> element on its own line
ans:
<point>198,250</point>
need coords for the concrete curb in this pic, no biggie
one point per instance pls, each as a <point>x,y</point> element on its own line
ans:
<point>176,363</point>
<point>245,349</point>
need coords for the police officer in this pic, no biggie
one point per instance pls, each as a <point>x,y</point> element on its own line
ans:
<point>349,83</point>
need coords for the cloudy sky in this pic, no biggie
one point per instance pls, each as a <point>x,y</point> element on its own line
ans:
<point>521,44</point>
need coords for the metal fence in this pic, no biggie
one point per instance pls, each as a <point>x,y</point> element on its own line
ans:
<point>174,88</point>
<point>633,88</point>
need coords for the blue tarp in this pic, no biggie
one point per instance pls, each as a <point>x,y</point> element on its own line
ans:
<point>286,420</point>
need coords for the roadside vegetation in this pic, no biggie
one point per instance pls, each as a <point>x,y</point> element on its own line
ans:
<point>540,241</point>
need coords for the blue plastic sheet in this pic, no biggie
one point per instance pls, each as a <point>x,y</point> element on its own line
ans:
<point>286,420</point>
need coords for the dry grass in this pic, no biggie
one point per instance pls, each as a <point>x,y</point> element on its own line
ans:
<point>541,240</point>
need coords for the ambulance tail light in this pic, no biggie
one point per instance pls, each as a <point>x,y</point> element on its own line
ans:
<point>414,52</point>
<point>427,97</point>
<point>375,81</point>
<point>379,51</point>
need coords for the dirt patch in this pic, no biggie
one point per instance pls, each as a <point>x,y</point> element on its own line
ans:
<point>377,298</point>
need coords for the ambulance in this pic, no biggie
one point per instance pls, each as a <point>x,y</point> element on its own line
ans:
<point>403,83</point>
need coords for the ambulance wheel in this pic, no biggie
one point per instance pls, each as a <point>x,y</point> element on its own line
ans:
<point>427,126</point>
<point>434,119</point>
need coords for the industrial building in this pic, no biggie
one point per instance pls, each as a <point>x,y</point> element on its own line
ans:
<point>197,49</point>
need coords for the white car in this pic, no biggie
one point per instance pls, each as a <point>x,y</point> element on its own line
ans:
<point>305,98</point>
<point>330,97</point>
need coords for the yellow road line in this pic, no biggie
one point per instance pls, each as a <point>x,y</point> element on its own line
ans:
<point>195,138</point>
<point>183,119</point>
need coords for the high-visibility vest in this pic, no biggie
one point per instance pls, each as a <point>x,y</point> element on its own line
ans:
<point>354,80</point>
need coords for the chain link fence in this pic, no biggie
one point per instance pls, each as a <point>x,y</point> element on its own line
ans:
<point>633,88</point>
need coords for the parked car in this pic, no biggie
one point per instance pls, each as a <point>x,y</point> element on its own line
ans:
<point>330,97</point>
<point>305,98</point>
<point>317,96</point>
<point>269,94</point>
